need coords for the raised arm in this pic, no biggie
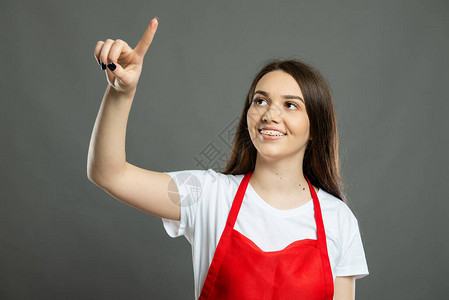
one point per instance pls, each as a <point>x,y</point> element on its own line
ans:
<point>107,167</point>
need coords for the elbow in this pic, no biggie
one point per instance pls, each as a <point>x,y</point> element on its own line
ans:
<point>93,176</point>
<point>101,178</point>
<point>95,180</point>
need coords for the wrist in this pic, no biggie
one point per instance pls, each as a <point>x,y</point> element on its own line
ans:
<point>123,94</point>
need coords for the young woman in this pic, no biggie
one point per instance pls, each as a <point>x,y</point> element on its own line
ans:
<point>274,224</point>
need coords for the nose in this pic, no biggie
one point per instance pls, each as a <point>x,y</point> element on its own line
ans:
<point>272,113</point>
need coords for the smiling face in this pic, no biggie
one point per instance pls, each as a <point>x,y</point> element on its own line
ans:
<point>278,103</point>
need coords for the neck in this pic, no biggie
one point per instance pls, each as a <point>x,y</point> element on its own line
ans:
<point>280,177</point>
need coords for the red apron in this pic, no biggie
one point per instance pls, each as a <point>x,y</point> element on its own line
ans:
<point>241,270</point>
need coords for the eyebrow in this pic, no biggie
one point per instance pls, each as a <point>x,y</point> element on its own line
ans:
<point>283,96</point>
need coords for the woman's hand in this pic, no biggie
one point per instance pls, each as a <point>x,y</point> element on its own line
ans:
<point>124,64</point>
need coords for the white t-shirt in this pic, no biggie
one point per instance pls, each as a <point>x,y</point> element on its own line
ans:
<point>206,199</point>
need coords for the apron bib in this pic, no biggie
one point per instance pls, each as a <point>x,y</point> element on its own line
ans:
<point>241,270</point>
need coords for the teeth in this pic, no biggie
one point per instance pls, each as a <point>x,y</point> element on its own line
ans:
<point>271,132</point>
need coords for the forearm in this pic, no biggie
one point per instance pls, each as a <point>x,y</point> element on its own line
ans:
<point>344,288</point>
<point>107,156</point>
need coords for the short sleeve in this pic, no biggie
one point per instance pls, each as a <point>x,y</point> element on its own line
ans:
<point>191,185</point>
<point>352,262</point>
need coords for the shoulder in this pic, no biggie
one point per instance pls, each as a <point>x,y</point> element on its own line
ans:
<point>335,210</point>
<point>226,178</point>
<point>197,177</point>
<point>342,226</point>
<point>330,201</point>
<point>213,177</point>
<point>203,181</point>
<point>193,174</point>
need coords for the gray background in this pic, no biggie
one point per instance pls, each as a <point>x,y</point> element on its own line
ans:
<point>62,237</point>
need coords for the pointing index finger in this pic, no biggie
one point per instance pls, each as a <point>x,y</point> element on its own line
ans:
<point>147,37</point>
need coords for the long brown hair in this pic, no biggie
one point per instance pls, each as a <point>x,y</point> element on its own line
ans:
<point>321,162</point>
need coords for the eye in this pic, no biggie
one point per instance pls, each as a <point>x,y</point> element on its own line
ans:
<point>291,103</point>
<point>256,100</point>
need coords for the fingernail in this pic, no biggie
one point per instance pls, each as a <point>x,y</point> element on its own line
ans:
<point>99,62</point>
<point>103,66</point>
<point>157,19</point>
<point>112,66</point>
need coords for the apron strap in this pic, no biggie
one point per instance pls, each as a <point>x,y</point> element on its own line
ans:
<point>321,237</point>
<point>223,243</point>
<point>238,199</point>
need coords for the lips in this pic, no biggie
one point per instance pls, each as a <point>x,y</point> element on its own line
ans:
<point>272,128</point>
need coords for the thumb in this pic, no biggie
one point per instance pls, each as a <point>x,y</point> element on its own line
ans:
<point>147,37</point>
<point>115,70</point>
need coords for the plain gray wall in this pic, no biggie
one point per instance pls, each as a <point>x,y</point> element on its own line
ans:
<point>62,237</point>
